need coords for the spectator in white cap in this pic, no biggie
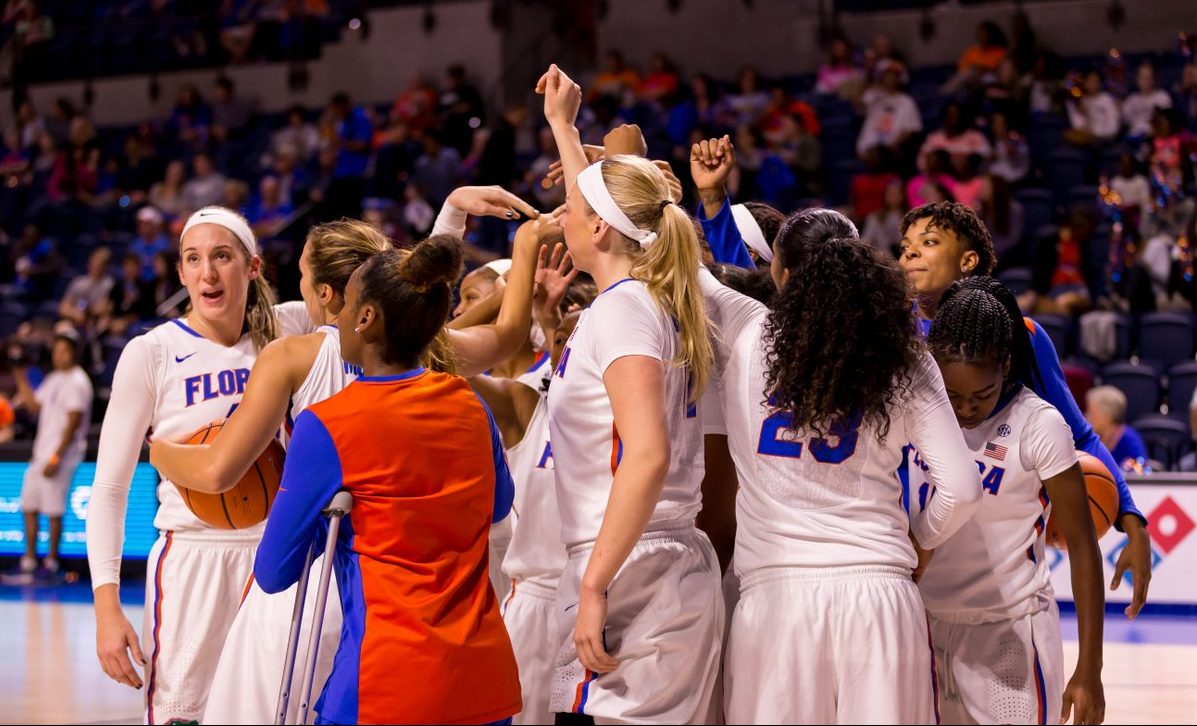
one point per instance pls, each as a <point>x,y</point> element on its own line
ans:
<point>149,240</point>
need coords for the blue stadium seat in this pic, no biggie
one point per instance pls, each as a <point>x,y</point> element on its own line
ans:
<point>1060,329</point>
<point>1166,338</point>
<point>1167,439</point>
<point>1065,169</point>
<point>1182,381</point>
<point>1038,210</point>
<point>1018,279</point>
<point>1140,383</point>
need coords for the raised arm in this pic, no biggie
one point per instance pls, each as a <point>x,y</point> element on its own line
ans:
<point>562,98</point>
<point>217,467</point>
<point>710,163</point>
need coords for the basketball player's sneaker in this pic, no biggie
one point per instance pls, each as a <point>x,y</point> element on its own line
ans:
<point>22,574</point>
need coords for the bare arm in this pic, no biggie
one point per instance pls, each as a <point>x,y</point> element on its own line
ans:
<point>1070,508</point>
<point>636,387</point>
<point>481,314</point>
<point>718,515</point>
<point>25,393</point>
<point>562,98</point>
<point>218,466</point>
<point>481,347</point>
<point>510,402</point>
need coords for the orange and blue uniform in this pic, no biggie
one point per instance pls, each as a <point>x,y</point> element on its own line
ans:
<point>422,641</point>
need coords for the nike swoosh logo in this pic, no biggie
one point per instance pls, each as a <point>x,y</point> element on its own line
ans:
<point>180,359</point>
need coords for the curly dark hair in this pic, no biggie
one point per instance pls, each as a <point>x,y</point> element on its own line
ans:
<point>961,221</point>
<point>811,226</point>
<point>841,337</point>
<point>1023,367</point>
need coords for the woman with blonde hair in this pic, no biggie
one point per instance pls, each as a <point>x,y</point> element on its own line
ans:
<point>641,588</point>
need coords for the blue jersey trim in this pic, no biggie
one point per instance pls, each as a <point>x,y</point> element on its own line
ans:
<point>390,379</point>
<point>184,326</point>
<point>616,284</point>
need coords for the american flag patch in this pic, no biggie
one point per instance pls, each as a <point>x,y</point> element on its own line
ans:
<point>993,451</point>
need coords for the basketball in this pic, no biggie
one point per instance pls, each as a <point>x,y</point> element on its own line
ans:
<point>1103,499</point>
<point>248,502</point>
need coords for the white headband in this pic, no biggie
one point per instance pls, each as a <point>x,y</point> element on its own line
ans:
<point>751,232</point>
<point>499,267</point>
<point>594,189</point>
<point>228,219</point>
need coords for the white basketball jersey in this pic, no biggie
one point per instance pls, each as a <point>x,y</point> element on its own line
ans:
<point>827,500</point>
<point>535,552</point>
<point>995,565</point>
<point>624,320</point>
<point>328,376</point>
<point>536,374</point>
<point>199,381</point>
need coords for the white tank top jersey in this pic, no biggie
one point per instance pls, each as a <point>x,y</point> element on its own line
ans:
<point>168,382</point>
<point>328,376</point>
<point>536,374</point>
<point>995,565</point>
<point>828,501</point>
<point>535,553</point>
<point>624,320</point>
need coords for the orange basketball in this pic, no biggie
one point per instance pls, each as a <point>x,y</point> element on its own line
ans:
<point>1103,499</point>
<point>248,502</point>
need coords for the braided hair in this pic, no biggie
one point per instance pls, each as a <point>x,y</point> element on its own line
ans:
<point>1021,353</point>
<point>973,328</point>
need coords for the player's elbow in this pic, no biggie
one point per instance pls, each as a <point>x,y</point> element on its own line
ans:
<point>270,576</point>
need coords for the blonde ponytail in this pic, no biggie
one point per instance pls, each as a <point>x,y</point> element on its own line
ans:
<point>260,321</point>
<point>669,265</point>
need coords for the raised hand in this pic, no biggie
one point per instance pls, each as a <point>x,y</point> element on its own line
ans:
<point>491,201</point>
<point>625,139</point>
<point>710,163</point>
<point>553,275</point>
<point>562,97</point>
<point>557,173</point>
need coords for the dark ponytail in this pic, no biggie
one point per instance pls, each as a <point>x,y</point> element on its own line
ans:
<point>412,292</point>
<point>810,226</point>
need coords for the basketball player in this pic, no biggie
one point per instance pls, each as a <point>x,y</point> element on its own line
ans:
<point>179,376</point>
<point>944,242</point>
<point>535,555</point>
<point>423,640</point>
<point>296,372</point>
<point>994,621</point>
<point>640,591</point>
<point>820,393</point>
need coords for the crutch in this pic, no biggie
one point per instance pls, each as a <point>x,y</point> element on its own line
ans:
<point>340,505</point>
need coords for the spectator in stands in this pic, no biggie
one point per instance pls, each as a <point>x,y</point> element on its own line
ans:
<point>661,82</point>
<point>840,75</point>
<point>36,264</point>
<point>149,241</point>
<point>1139,106</point>
<point>62,404</point>
<point>1003,216</point>
<point>617,80</point>
<point>1011,156</point>
<point>1092,112</point>
<point>351,133</point>
<point>438,171</point>
<point>705,107</point>
<point>750,101</point>
<point>230,112</point>
<point>165,285</point>
<point>1058,282</point>
<point>23,56</point>
<point>461,111</point>
<point>58,123</point>
<point>292,179</point>
<point>86,297</point>
<point>883,227</point>
<point>139,166</point>
<point>879,55</point>
<point>1133,191</point>
<point>1105,408</point>
<point>958,137</point>
<point>1008,93</point>
<point>206,186</point>
<point>969,181</point>
<point>1024,45</point>
<point>1168,150</point>
<point>934,184</point>
<point>891,117</point>
<point>981,60</point>
<point>416,106</point>
<point>76,171</point>
<point>235,196</point>
<point>29,124</point>
<point>1186,92</point>
<point>268,211</point>
<point>131,298</point>
<point>167,195</point>
<point>189,120</point>
<point>237,28</point>
<point>870,188</point>
<point>299,137</point>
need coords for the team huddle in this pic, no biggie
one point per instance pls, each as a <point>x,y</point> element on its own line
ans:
<point>743,469</point>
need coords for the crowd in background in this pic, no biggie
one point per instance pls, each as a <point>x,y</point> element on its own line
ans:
<point>1082,168</point>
